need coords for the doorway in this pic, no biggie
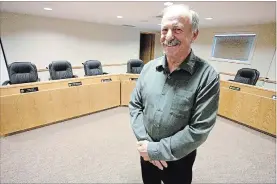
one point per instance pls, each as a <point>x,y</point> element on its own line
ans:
<point>147,46</point>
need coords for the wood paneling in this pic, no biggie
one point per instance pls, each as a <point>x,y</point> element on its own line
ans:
<point>128,83</point>
<point>25,111</point>
<point>249,89</point>
<point>127,88</point>
<point>128,77</point>
<point>56,101</point>
<point>250,109</point>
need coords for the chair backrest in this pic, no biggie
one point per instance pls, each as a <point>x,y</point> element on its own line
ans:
<point>60,70</point>
<point>134,66</point>
<point>93,67</point>
<point>22,72</point>
<point>247,76</point>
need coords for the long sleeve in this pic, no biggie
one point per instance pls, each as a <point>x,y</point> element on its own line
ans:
<point>193,135</point>
<point>136,113</point>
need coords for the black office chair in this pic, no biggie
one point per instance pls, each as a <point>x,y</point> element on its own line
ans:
<point>61,70</point>
<point>22,72</point>
<point>134,66</point>
<point>247,76</point>
<point>93,67</point>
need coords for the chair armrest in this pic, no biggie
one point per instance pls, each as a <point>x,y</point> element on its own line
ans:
<point>6,83</point>
<point>75,76</point>
<point>105,73</point>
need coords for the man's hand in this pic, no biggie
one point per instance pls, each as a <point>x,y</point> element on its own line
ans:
<point>142,148</point>
<point>159,163</point>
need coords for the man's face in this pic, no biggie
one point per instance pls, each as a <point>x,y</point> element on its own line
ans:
<point>176,34</point>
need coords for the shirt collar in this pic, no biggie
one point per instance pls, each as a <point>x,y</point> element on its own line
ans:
<point>188,64</point>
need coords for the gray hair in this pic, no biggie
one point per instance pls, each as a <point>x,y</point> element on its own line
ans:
<point>194,21</point>
<point>193,16</point>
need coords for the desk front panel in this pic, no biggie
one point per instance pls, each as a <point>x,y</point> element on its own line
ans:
<point>56,101</point>
<point>24,111</point>
<point>248,88</point>
<point>128,77</point>
<point>128,83</point>
<point>257,111</point>
<point>127,88</point>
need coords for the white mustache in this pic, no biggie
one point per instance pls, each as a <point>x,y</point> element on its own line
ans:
<point>172,42</point>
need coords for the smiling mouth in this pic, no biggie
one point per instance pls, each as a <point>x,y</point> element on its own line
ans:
<point>172,43</point>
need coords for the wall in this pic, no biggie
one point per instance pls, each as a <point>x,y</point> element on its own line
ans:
<point>42,40</point>
<point>265,46</point>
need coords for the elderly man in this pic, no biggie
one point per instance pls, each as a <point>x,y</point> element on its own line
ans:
<point>174,105</point>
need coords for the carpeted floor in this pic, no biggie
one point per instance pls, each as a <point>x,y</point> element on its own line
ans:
<point>101,148</point>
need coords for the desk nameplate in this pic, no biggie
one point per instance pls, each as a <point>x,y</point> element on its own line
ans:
<point>74,84</point>
<point>133,79</point>
<point>234,88</point>
<point>106,80</point>
<point>29,90</point>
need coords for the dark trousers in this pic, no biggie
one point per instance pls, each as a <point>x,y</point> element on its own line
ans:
<point>177,172</point>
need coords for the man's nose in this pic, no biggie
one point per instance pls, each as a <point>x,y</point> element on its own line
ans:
<point>169,34</point>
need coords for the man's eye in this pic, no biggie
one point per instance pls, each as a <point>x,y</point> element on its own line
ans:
<point>177,30</point>
<point>164,30</point>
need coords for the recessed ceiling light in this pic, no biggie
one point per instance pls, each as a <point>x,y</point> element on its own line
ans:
<point>168,3</point>
<point>48,9</point>
<point>119,17</point>
<point>209,18</point>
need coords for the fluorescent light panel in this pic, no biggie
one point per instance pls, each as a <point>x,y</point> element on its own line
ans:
<point>47,9</point>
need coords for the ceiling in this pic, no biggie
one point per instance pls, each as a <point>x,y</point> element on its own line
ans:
<point>143,14</point>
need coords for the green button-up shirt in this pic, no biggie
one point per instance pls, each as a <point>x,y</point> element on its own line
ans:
<point>174,111</point>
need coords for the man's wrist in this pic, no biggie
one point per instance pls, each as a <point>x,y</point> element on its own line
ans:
<point>153,150</point>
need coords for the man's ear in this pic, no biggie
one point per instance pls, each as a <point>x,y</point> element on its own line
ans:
<point>194,35</point>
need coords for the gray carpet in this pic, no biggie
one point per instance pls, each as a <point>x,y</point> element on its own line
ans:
<point>101,148</point>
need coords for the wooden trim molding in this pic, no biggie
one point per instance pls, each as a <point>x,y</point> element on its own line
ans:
<point>118,64</point>
<point>260,79</point>
<point>230,74</point>
<point>80,67</point>
<point>122,64</point>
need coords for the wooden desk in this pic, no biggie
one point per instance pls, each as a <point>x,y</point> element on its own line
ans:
<point>55,101</point>
<point>128,83</point>
<point>249,105</point>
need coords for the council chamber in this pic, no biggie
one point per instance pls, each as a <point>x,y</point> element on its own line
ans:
<point>67,80</point>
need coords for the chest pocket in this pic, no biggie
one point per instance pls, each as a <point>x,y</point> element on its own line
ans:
<point>181,104</point>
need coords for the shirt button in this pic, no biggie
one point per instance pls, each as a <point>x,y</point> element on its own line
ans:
<point>159,110</point>
<point>163,93</point>
<point>157,125</point>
